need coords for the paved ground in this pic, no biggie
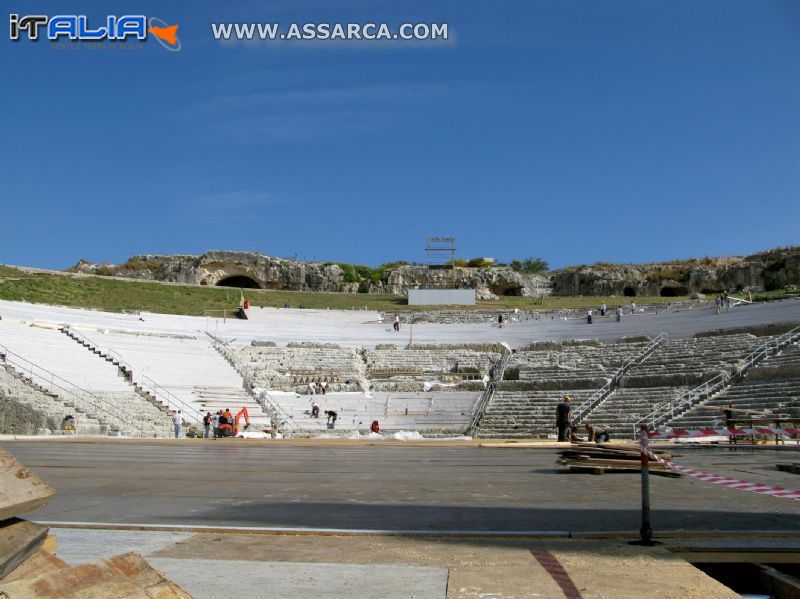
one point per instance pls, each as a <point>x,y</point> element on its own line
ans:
<point>307,566</point>
<point>359,328</point>
<point>438,487</point>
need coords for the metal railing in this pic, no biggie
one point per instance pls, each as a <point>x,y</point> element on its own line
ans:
<point>480,408</point>
<point>166,398</point>
<point>667,411</point>
<point>769,348</point>
<point>81,338</point>
<point>270,404</point>
<point>500,367</point>
<point>671,409</point>
<point>170,400</point>
<point>114,355</point>
<point>66,390</point>
<point>263,398</point>
<point>483,401</point>
<point>601,394</point>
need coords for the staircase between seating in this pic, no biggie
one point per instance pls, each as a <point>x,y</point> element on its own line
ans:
<point>711,388</point>
<point>145,387</point>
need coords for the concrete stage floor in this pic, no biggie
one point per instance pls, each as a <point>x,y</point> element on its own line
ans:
<point>432,487</point>
<point>306,517</point>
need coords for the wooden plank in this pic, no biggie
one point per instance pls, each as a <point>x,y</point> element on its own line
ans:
<point>40,562</point>
<point>615,465</point>
<point>611,462</point>
<point>601,451</point>
<point>20,490</point>
<point>18,540</point>
<point>779,584</point>
<point>588,469</point>
<point>793,468</point>
<point>50,544</point>
<point>127,575</point>
<point>596,469</point>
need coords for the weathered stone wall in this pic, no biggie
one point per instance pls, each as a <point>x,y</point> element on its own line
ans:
<point>214,267</point>
<point>19,419</point>
<point>774,269</point>
<point>771,270</point>
<point>488,282</point>
<point>248,269</point>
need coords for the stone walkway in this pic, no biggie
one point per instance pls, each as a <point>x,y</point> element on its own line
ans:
<point>223,565</point>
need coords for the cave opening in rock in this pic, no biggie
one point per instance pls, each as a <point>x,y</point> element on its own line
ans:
<point>240,281</point>
<point>506,290</point>
<point>629,292</point>
<point>674,291</point>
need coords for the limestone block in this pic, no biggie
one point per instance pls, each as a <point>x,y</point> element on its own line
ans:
<point>20,490</point>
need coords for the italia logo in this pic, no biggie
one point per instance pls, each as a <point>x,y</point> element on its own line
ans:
<point>78,28</point>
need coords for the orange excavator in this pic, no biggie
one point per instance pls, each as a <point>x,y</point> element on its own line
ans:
<point>230,428</point>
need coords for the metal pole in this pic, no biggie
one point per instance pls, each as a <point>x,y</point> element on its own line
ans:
<point>646,531</point>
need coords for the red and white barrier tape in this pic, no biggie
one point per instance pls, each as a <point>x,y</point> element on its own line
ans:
<point>731,483</point>
<point>678,433</point>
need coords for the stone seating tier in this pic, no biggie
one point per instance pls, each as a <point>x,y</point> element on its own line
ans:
<point>51,409</point>
<point>573,361</point>
<point>625,406</point>
<point>423,363</point>
<point>394,411</point>
<point>519,414</point>
<point>776,397</point>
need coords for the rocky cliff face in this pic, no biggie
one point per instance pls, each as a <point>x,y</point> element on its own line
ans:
<point>252,270</point>
<point>771,270</point>
<point>231,269</point>
<point>488,282</point>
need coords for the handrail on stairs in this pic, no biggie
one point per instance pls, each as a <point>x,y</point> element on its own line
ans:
<point>263,395</point>
<point>170,400</point>
<point>161,394</point>
<point>667,411</point>
<point>52,381</point>
<point>77,335</point>
<point>601,394</point>
<point>483,402</point>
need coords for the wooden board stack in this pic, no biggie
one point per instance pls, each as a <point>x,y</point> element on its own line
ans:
<point>794,468</point>
<point>599,459</point>
<point>28,564</point>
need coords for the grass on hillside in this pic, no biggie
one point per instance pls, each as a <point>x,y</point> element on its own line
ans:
<point>119,295</point>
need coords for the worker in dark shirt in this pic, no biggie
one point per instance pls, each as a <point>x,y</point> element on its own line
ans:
<point>332,416</point>
<point>729,422</point>
<point>563,418</point>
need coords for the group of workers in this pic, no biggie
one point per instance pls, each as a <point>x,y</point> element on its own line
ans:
<point>604,310</point>
<point>218,424</point>
<point>330,414</point>
<point>321,387</point>
<point>566,430</point>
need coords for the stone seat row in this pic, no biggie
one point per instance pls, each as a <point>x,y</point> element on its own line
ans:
<point>50,410</point>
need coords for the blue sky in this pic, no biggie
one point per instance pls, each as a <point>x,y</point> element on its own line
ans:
<point>575,131</point>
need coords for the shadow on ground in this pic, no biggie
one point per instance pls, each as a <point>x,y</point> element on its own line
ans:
<point>395,517</point>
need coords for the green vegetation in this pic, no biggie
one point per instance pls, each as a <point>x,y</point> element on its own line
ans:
<point>479,263</point>
<point>770,295</point>
<point>530,266</point>
<point>673,273</point>
<point>772,274</point>
<point>122,295</point>
<point>134,265</point>
<point>395,264</point>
